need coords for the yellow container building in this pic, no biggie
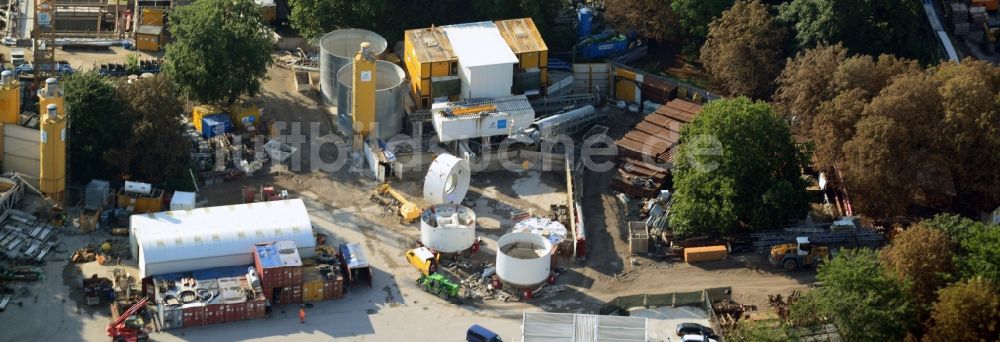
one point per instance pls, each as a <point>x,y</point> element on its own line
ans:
<point>10,98</point>
<point>531,71</point>
<point>429,60</point>
<point>52,147</point>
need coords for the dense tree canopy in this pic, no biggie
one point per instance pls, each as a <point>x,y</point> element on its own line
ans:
<point>744,50</point>
<point>96,124</point>
<point>737,166</point>
<point>859,298</point>
<point>156,150</point>
<point>872,27</point>
<point>653,19</point>
<point>221,49</point>
<point>923,257</point>
<point>694,17</point>
<point>967,310</point>
<point>976,254</point>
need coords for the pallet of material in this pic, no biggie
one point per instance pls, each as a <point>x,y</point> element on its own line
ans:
<point>708,253</point>
<point>643,169</point>
<point>628,185</point>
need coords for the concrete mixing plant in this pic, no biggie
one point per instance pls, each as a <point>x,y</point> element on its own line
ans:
<point>10,97</point>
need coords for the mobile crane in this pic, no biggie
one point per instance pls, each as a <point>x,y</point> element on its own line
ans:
<point>408,211</point>
<point>126,328</point>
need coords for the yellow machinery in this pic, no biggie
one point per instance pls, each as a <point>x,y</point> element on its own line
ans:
<point>801,254</point>
<point>423,259</point>
<point>244,114</point>
<point>408,211</point>
<point>10,99</point>
<point>363,95</point>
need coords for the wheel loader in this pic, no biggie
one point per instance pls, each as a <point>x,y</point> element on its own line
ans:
<point>800,254</point>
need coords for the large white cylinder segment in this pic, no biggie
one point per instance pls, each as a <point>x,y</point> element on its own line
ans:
<point>448,228</point>
<point>447,181</point>
<point>523,259</point>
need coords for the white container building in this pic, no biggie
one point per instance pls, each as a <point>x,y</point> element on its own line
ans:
<point>485,60</point>
<point>187,240</point>
<point>513,114</point>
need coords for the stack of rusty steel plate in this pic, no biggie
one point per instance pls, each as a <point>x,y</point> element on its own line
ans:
<point>645,152</point>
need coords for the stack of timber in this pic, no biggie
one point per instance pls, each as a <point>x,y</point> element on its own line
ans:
<point>646,151</point>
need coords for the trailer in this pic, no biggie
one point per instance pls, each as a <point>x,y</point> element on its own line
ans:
<point>355,265</point>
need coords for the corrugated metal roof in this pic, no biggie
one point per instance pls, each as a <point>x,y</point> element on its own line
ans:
<point>549,327</point>
<point>478,44</point>
<point>521,35</point>
<point>278,254</point>
<point>152,30</point>
<point>354,256</point>
<point>513,105</point>
<point>174,236</point>
<point>430,45</point>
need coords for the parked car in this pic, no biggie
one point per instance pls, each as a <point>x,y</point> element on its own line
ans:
<point>699,338</point>
<point>684,329</point>
<point>478,333</point>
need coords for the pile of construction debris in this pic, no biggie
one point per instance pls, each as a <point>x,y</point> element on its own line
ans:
<point>647,151</point>
<point>730,312</point>
<point>783,305</point>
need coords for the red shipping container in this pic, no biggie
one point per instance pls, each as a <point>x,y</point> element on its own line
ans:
<point>278,264</point>
<point>194,316</point>
<point>215,314</point>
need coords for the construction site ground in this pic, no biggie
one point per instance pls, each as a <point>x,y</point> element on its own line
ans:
<point>395,308</point>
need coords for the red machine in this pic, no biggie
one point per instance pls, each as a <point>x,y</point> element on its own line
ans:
<point>125,330</point>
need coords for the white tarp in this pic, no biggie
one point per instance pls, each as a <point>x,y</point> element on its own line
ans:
<point>186,240</point>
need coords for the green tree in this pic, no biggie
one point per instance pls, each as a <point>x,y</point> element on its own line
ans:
<point>156,150</point>
<point>737,166</point>
<point>653,19</point>
<point>694,17</point>
<point>96,125</point>
<point>981,257</point>
<point>957,228</point>
<point>314,18</point>
<point>221,50</point>
<point>871,27</point>
<point>744,50</point>
<point>968,310</point>
<point>859,298</point>
<point>923,257</point>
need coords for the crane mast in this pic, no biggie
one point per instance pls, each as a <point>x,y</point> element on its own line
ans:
<point>43,43</point>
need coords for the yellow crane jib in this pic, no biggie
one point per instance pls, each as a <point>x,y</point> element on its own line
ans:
<point>487,108</point>
<point>408,211</point>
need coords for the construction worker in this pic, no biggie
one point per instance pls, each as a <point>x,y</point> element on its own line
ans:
<point>302,314</point>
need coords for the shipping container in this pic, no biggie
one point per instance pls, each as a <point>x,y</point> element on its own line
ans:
<point>256,309</point>
<point>170,318</point>
<point>215,314</point>
<point>194,315</point>
<point>708,253</point>
<point>215,125</point>
<point>201,111</point>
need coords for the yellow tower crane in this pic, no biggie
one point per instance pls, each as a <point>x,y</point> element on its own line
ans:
<point>52,154</point>
<point>44,42</point>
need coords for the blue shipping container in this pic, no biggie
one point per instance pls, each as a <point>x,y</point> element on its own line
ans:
<point>602,49</point>
<point>216,124</point>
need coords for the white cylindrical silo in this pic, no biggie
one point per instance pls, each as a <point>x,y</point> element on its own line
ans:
<point>448,228</point>
<point>523,259</point>
<point>337,49</point>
